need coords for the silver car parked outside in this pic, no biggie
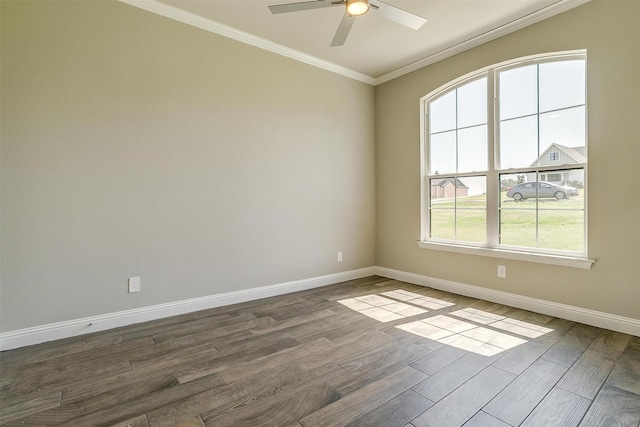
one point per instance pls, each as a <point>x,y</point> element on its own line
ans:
<point>541,190</point>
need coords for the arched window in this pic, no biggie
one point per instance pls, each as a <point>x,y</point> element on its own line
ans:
<point>504,160</point>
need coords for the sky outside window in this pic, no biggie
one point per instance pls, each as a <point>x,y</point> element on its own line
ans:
<point>539,105</point>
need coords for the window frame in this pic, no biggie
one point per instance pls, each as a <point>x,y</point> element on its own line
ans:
<point>492,248</point>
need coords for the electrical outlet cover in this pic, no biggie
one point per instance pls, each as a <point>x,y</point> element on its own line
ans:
<point>502,271</point>
<point>134,284</point>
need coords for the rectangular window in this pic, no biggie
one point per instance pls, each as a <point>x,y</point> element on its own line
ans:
<point>538,214</point>
<point>542,107</point>
<point>494,177</point>
<point>458,158</point>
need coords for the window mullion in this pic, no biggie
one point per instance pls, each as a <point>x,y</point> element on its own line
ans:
<point>425,199</point>
<point>538,161</point>
<point>455,179</point>
<point>493,190</point>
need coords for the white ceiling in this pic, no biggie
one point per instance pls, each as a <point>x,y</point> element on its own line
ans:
<point>376,49</point>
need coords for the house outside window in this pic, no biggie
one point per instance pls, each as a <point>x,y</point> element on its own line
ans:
<point>448,188</point>
<point>483,157</point>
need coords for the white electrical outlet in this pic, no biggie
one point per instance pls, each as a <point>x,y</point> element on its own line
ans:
<point>502,271</point>
<point>134,284</point>
<point>339,257</point>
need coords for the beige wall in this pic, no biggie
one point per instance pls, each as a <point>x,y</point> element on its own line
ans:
<point>133,145</point>
<point>609,31</point>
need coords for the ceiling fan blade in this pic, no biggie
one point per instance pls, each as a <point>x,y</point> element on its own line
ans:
<point>305,5</point>
<point>343,30</point>
<point>398,15</point>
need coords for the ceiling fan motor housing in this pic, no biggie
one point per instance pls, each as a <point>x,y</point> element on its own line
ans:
<point>357,7</point>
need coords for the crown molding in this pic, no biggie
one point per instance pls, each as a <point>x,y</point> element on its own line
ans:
<point>211,26</point>
<point>520,23</point>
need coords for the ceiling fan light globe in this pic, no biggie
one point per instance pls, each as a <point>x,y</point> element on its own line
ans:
<point>357,7</point>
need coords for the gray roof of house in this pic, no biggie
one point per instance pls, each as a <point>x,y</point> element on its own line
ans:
<point>444,181</point>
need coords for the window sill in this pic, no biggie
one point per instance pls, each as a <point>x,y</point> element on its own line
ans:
<point>565,261</point>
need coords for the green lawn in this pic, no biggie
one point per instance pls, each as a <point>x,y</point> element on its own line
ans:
<point>560,222</point>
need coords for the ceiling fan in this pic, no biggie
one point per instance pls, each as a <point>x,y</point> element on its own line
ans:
<point>353,9</point>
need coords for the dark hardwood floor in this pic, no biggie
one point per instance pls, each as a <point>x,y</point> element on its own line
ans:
<point>369,352</point>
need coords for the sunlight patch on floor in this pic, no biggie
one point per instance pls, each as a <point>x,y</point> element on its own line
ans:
<point>417,299</point>
<point>484,340</point>
<point>469,329</point>
<point>477,316</point>
<point>381,308</point>
<point>521,328</point>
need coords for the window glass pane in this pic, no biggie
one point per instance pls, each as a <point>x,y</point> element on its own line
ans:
<point>518,92</point>
<point>471,225</point>
<point>472,192</point>
<point>442,224</point>
<point>444,188</point>
<point>508,183</point>
<point>472,103</point>
<point>519,142</point>
<point>472,149</point>
<point>459,208</point>
<point>562,84</point>
<point>442,153</point>
<point>559,207</point>
<point>518,227</point>
<point>562,190</point>
<point>442,113</point>
<point>471,209</point>
<point>561,230</point>
<point>565,128</point>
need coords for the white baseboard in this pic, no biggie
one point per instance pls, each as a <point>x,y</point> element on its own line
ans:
<point>600,319</point>
<point>71,328</point>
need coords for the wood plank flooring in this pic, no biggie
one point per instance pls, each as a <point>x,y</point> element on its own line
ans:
<point>369,352</point>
